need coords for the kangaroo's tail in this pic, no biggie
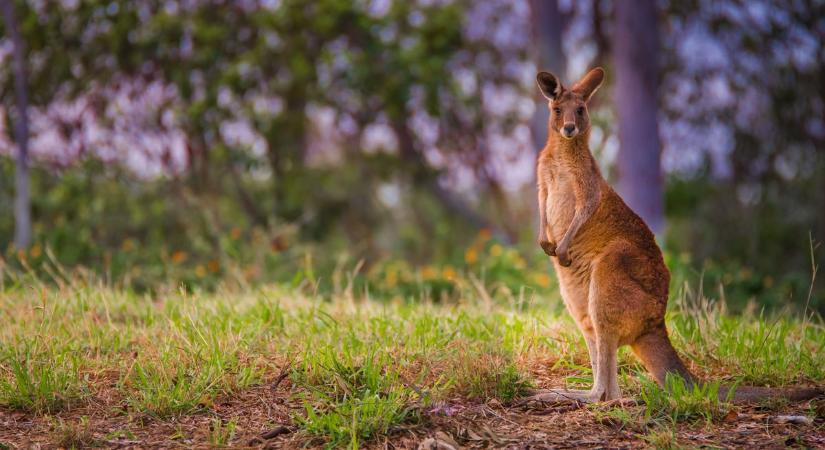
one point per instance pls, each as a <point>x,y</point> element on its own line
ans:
<point>747,394</point>
<point>660,358</point>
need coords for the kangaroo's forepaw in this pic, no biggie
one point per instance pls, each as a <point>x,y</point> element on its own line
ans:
<point>564,259</point>
<point>548,247</point>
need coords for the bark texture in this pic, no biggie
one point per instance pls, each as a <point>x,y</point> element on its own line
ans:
<point>22,203</point>
<point>635,54</point>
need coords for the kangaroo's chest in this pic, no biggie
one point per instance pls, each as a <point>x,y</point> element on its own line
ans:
<point>561,202</point>
<point>574,281</point>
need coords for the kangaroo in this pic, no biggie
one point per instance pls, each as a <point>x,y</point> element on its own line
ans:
<point>611,273</point>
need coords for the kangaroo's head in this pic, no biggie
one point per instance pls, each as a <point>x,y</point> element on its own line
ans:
<point>568,107</point>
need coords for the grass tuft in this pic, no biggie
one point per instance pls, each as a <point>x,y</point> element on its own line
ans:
<point>351,396</point>
<point>41,376</point>
<point>484,375</point>
<point>354,419</point>
<point>221,434</point>
<point>680,402</point>
<point>662,439</point>
<point>73,434</point>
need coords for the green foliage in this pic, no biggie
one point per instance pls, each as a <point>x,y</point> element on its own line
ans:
<point>255,215</point>
<point>758,252</point>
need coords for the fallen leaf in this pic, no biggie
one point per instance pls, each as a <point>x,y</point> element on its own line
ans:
<point>731,416</point>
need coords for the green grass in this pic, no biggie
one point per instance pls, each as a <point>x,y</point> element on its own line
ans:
<point>776,349</point>
<point>679,402</point>
<point>221,434</point>
<point>41,376</point>
<point>360,368</point>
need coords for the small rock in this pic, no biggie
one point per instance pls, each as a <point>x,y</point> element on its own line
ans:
<point>441,441</point>
<point>796,420</point>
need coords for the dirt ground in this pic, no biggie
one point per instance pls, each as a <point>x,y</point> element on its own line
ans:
<point>262,415</point>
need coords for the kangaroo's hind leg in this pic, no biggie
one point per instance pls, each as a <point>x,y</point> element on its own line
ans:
<point>602,345</point>
<point>605,377</point>
<point>623,305</point>
<point>605,382</point>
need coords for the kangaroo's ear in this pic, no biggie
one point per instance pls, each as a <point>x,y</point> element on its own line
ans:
<point>550,85</point>
<point>588,85</point>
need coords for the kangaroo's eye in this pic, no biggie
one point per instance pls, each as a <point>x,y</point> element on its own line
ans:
<point>580,111</point>
<point>557,110</point>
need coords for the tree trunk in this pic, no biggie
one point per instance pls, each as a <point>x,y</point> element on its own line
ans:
<point>22,207</point>
<point>546,25</point>
<point>635,54</point>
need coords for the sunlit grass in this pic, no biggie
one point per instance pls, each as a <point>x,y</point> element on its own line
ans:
<point>41,376</point>
<point>359,367</point>
<point>679,402</point>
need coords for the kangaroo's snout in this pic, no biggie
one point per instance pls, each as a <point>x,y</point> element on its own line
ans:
<point>569,130</point>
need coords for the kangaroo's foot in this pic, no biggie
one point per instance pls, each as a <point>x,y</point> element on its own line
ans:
<point>565,396</point>
<point>559,396</point>
<point>571,396</point>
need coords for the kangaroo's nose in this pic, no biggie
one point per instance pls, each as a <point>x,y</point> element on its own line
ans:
<point>569,128</point>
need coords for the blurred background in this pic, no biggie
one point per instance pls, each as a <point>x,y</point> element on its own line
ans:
<point>390,145</point>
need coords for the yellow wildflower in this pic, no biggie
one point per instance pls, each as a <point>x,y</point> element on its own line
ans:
<point>496,250</point>
<point>448,273</point>
<point>542,279</point>
<point>391,278</point>
<point>470,256</point>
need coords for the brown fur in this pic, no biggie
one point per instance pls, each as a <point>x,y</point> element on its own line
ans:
<point>612,276</point>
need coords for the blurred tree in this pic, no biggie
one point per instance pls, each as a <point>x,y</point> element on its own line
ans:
<point>745,128</point>
<point>404,126</point>
<point>22,206</point>
<point>245,84</point>
<point>546,25</point>
<point>635,55</point>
